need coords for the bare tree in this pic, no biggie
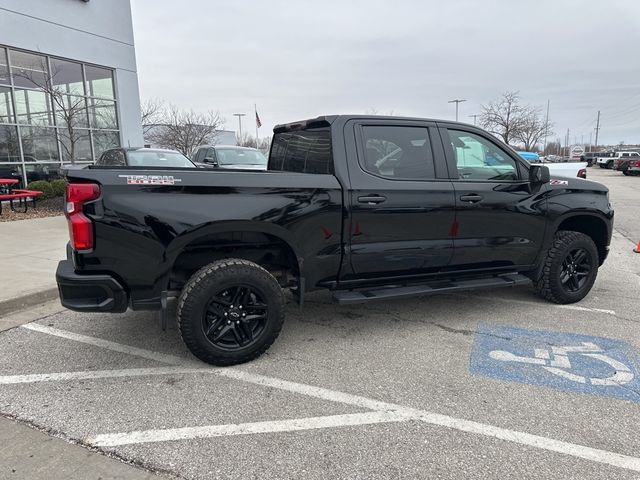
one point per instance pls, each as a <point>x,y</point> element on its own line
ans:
<point>552,148</point>
<point>70,106</point>
<point>533,127</point>
<point>151,111</point>
<point>504,117</point>
<point>185,130</point>
<point>248,140</point>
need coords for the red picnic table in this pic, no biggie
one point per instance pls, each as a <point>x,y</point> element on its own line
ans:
<point>10,194</point>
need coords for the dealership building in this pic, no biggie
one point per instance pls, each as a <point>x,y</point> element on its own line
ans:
<point>68,84</point>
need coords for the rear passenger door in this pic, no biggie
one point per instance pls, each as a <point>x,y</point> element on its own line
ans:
<point>402,201</point>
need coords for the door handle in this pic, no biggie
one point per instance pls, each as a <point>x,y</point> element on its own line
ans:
<point>471,198</point>
<point>372,199</point>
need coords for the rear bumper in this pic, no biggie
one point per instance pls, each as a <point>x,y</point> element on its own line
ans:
<point>89,293</point>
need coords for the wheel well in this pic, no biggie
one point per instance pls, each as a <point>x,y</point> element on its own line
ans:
<point>591,226</point>
<point>268,251</point>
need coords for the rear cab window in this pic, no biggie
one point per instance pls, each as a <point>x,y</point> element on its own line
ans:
<point>398,152</point>
<point>302,151</point>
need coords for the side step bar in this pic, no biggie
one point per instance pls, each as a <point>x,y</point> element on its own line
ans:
<point>349,297</point>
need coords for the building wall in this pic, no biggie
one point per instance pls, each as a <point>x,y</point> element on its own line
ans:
<point>97,31</point>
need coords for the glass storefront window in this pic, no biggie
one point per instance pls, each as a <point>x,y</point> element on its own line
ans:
<point>9,149</point>
<point>4,68</point>
<point>71,110</point>
<point>99,81</point>
<point>75,147</point>
<point>104,141</point>
<point>39,144</point>
<point>103,114</point>
<point>63,111</point>
<point>33,107</point>
<point>28,69</point>
<point>6,106</point>
<point>66,77</point>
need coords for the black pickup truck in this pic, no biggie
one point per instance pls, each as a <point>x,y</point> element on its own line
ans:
<point>367,207</point>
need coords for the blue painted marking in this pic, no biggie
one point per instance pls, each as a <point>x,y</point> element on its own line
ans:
<point>565,361</point>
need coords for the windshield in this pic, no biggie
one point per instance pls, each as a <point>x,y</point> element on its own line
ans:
<point>236,156</point>
<point>141,158</point>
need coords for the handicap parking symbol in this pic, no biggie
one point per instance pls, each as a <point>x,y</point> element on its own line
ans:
<point>565,361</point>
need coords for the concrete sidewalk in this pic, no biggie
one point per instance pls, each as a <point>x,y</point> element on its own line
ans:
<point>29,254</point>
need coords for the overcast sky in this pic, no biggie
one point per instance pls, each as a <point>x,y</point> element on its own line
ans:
<point>299,59</point>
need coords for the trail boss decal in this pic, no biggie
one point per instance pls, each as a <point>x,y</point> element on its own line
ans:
<point>150,179</point>
<point>554,181</point>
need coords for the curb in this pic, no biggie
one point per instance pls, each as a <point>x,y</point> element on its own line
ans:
<point>29,300</point>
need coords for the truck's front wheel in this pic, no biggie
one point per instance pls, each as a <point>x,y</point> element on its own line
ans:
<point>569,268</point>
<point>230,312</point>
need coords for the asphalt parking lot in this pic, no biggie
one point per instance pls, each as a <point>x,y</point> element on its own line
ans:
<point>491,384</point>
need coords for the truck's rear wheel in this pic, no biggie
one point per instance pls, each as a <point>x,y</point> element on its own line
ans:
<point>569,268</point>
<point>230,312</point>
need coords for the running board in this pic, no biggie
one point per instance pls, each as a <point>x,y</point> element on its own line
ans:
<point>349,297</point>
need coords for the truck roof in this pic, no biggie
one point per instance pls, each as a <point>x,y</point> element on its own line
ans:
<point>327,120</point>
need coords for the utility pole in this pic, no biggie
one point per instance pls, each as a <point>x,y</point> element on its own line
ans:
<point>590,140</point>
<point>546,127</point>
<point>239,115</point>
<point>566,144</point>
<point>474,118</point>
<point>597,129</point>
<point>457,101</point>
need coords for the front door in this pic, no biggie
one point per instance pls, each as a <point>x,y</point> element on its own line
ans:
<point>402,201</point>
<point>500,221</point>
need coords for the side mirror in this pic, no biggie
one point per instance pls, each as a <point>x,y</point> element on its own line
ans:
<point>211,161</point>
<point>539,174</point>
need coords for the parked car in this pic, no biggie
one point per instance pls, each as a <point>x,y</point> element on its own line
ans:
<point>143,157</point>
<point>569,169</point>
<point>608,159</point>
<point>370,208</point>
<point>589,157</point>
<point>628,166</point>
<point>230,157</point>
<point>622,162</point>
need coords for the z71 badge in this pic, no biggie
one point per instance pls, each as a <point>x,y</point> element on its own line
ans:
<point>558,182</point>
<point>150,179</point>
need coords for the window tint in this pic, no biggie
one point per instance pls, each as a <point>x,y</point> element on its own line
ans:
<point>305,151</point>
<point>398,152</point>
<point>479,159</point>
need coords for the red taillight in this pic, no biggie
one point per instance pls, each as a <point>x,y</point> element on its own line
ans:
<point>80,227</point>
<point>582,173</point>
<point>638,163</point>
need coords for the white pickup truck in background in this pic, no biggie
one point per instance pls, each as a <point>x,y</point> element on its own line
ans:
<point>568,169</point>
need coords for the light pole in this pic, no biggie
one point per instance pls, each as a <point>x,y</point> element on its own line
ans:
<point>475,117</point>
<point>239,115</point>
<point>457,101</point>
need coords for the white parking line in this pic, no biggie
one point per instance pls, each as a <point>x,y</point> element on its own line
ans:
<point>541,304</point>
<point>514,436</point>
<point>293,425</point>
<point>90,374</point>
<point>116,347</point>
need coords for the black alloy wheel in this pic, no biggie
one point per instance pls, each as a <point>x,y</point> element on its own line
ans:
<point>235,317</point>
<point>230,311</point>
<point>575,270</point>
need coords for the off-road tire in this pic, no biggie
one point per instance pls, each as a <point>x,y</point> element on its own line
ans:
<point>213,278</point>
<point>548,284</point>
